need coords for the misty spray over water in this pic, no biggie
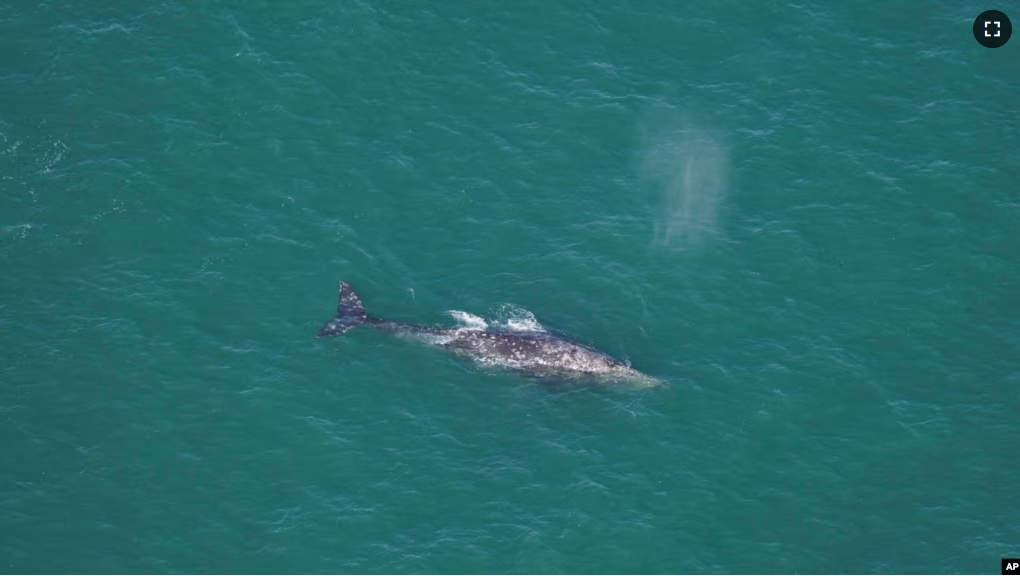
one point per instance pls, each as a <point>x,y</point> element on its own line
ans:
<point>691,169</point>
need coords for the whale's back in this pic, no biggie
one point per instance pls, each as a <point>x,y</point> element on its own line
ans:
<point>536,352</point>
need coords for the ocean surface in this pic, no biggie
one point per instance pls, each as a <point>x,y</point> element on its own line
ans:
<point>803,217</point>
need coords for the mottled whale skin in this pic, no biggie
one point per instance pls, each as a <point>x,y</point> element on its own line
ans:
<point>539,354</point>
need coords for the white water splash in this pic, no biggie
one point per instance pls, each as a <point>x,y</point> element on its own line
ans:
<point>506,317</point>
<point>468,321</point>
<point>517,319</point>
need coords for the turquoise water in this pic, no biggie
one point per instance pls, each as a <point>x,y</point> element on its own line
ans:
<point>803,217</point>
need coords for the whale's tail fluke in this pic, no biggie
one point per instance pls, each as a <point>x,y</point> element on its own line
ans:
<point>349,314</point>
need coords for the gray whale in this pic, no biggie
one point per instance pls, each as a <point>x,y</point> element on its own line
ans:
<point>538,354</point>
